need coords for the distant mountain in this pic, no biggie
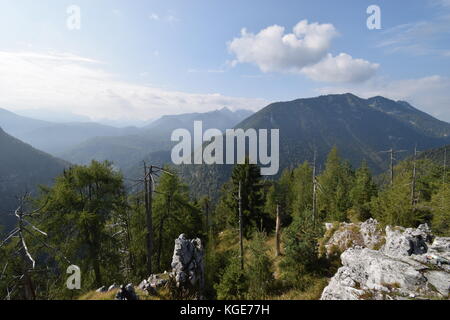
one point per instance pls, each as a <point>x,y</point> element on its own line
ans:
<point>18,125</point>
<point>59,137</point>
<point>22,168</point>
<point>128,150</point>
<point>360,128</point>
<point>58,116</point>
<point>220,119</point>
<point>53,137</point>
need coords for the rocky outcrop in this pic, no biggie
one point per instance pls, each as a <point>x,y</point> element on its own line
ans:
<point>340,237</point>
<point>411,264</point>
<point>187,276</point>
<point>187,262</point>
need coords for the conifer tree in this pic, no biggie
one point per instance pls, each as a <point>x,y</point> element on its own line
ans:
<point>362,192</point>
<point>335,184</point>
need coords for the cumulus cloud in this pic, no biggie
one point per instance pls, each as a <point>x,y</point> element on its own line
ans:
<point>273,50</point>
<point>342,68</point>
<point>305,50</point>
<point>430,94</point>
<point>66,82</point>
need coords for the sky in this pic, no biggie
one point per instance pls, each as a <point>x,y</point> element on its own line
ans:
<point>120,60</point>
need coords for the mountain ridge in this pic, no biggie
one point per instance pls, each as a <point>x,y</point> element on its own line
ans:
<point>360,128</point>
<point>22,169</point>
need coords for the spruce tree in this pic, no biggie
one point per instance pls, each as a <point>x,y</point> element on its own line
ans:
<point>362,192</point>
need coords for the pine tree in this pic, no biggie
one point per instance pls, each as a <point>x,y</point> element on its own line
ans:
<point>302,189</point>
<point>364,189</point>
<point>259,268</point>
<point>335,184</point>
<point>301,259</point>
<point>281,194</point>
<point>233,284</point>
<point>441,211</point>
<point>252,198</point>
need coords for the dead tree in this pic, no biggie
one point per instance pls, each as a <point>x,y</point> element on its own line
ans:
<point>314,197</point>
<point>150,172</point>
<point>392,153</point>
<point>444,176</point>
<point>414,200</point>
<point>25,227</point>
<point>278,233</point>
<point>241,228</point>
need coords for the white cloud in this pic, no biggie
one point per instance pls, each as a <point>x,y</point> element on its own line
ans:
<point>305,50</point>
<point>430,94</point>
<point>342,68</point>
<point>67,82</point>
<point>273,50</point>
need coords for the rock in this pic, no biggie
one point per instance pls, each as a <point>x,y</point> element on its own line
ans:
<point>102,289</point>
<point>127,293</point>
<point>143,285</point>
<point>406,242</point>
<point>347,235</point>
<point>440,281</point>
<point>410,265</point>
<point>371,233</point>
<point>187,262</point>
<point>113,287</point>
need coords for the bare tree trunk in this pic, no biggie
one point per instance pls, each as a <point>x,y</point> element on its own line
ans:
<point>241,227</point>
<point>29,291</point>
<point>278,233</point>
<point>148,214</point>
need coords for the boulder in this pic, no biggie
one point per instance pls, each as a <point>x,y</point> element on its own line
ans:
<point>187,262</point>
<point>410,265</point>
<point>127,293</point>
<point>406,242</point>
<point>347,235</point>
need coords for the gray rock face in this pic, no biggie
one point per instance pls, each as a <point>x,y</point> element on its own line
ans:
<point>406,242</point>
<point>409,265</point>
<point>187,262</point>
<point>347,235</point>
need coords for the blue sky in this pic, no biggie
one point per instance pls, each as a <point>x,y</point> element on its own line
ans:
<point>135,60</point>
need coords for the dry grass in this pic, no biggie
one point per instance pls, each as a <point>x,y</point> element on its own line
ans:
<point>163,294</point>
<point>312,293</point>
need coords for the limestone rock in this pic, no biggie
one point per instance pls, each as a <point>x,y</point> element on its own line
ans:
<point>410,265</point>
<point>347,235</point>
<point>406,242</point>
<point>187,262</point>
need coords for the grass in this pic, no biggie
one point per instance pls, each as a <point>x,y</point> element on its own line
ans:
<point>314,292</point>
<point>163,294</point>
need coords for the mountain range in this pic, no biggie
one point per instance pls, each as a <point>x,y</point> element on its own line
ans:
<point>22,169</point>
<point>360,128</point>
<point>128,150</point>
